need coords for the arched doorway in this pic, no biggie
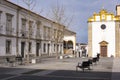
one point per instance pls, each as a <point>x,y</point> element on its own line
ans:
<point>103,48</point>
<point>70,45</point>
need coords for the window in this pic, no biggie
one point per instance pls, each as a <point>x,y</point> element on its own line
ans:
<point>23,28</point>
<point>44,47</point>
<point>9,23</point>
<point>38,29</point>
<point>55,33</point>
<point>49,32</point>
<point>59,37</point>
<point>45,31</point>
<point>0,22</point>
<point>54,47</point>
<point>30,28</point>
<point>0,17</point>
<point>30,46</point>
<point>8,47</point>
<point>103,26</point>
<point>38,24</point>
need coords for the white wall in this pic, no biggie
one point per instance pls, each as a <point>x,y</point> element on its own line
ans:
<point>3,46</point>
<point>9,10</point>
<point>22,14</point>
<point>99,35</point>
<point>72,38</point>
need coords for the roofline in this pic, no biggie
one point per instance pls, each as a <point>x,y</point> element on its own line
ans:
<point>70,31</point>
<point>32,12</point>
<point>117,6</point>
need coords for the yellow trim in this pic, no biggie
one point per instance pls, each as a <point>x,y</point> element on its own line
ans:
<point>103,16</point>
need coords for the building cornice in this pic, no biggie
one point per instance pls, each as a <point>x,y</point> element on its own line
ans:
<point>103,15</point>
<point>31,12</point>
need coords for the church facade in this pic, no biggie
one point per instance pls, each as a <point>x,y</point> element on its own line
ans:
<point>104,34</point>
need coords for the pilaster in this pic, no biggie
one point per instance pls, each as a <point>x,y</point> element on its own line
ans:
<point>89,39</point>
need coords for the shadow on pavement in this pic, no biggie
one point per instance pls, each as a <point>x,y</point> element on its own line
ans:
<point>28,74</point>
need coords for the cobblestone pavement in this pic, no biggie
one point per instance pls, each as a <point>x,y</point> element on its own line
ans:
<point>64,69</point>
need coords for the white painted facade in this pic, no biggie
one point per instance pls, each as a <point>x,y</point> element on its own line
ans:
<point>44,33</point>
<point>100,35</point>
<point>71,38</point>
<point>103,34</point>
<point>69,43</point>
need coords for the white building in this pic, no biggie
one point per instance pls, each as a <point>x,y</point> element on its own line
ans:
<point>81,49</point>
<point>69,41</point>
<point>23,32</point>
<point>103,31</point>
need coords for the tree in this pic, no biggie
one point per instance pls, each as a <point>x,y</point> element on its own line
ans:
<point>58,14</point>
<point>30,4</point>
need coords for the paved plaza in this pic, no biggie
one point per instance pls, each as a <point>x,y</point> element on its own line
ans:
<point>63,69</point>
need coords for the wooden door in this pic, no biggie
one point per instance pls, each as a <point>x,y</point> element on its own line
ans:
<point>22,49</point>
<point>37,49</point>
<point>103,51</point>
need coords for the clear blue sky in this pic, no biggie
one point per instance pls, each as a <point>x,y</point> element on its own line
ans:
<point>80,9</point>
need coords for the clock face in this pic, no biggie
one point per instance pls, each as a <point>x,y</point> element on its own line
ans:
<point>103,26</point>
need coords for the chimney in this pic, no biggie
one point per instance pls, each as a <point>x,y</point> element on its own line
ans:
<point>118,10</point>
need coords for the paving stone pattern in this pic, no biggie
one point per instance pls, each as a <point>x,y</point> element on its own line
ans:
<point>65,69</point>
